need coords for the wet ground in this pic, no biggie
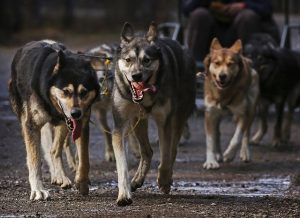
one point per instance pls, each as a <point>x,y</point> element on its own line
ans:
<point>264,187</point>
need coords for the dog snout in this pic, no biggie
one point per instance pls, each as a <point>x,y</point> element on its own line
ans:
<point>222,77</point>
<point>137,77</point>
<point>76,113</point>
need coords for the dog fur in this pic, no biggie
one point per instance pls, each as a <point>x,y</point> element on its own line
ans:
<point>50,86</point>
<point>153,77</point>
<point>231,85</point>
<point>278,69</point>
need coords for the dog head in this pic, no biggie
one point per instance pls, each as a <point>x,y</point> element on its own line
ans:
<point>139,60</point>
<point>222,65</point>
<point>73,88</point>
<point>258,44</point>
<point>262,49</point>
<point>104,66</point>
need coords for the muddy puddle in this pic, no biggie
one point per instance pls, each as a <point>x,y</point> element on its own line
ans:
<point>265,186</point>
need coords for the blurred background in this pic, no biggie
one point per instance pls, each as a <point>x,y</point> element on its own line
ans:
<point>24,20</point>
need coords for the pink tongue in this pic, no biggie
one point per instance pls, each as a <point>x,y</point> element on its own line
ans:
<point>143,87</point>
<point>76,129</point>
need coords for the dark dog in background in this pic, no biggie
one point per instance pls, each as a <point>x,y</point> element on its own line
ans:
<point>279,73</point>
<point>153,77</point>
<point>51,90</point>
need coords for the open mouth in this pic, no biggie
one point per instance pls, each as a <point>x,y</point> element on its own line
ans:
<point>139,88</point>
<point>75,127</point>
<point>222,84</point>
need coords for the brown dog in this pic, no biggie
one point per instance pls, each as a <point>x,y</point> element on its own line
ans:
<point>230,86</point>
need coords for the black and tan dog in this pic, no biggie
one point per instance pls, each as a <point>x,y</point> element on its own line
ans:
<point>51,86</point>
<point>231,85</point>
<point>279,73</point>
<point>153,77</point>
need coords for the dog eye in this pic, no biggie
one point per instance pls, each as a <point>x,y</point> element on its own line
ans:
<point>217,63</point>
<point>127,60</point>
<point>146,61</point>
<point>67,92</point>
<point>83,93</point>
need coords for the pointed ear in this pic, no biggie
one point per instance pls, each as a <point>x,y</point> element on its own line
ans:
<point>215,44</point>
<point>237,46</point>
<point>152,32</point>
<point>206,63</point>
<point>60,61</point>
<point>127,33</point>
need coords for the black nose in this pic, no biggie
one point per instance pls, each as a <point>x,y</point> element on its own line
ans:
<point>137,77</point>
<point>222,77</point>
<point>76,113</point>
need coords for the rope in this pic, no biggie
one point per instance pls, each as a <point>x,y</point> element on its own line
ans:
<point>132,129</point>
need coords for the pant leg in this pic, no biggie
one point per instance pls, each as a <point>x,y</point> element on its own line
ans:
<point>199,32</point>
<point>244,25</point>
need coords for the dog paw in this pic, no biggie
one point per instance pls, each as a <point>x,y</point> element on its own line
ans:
<point>228,156</point>
<point>164,181</point>
<point>124,202</point>
<point>135,185</point>
<point>245,156</point>
<point>165,188</point>
<point>211,165</point>
<point>83,187</point>
<point>63,181</point>
<point>254,142</point>
<point>110,156</point>
<point>219,157</point>
<point>39,195</point>
<point>276,143</point>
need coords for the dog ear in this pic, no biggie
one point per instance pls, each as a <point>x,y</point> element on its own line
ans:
<point>237,46</point>
<point>152,32</point>
<point>127,34</point>
<point>60,60</point>
<point>206,63</point>
<point>215,44</point>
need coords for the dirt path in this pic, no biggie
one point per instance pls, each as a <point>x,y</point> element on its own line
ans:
<point>262,188</point>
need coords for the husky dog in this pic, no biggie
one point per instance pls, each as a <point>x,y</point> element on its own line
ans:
<point>51,87</point>
<point>104,68</point>
<point>153,77</point>
<point>230,86</point>
<point>102,60</point>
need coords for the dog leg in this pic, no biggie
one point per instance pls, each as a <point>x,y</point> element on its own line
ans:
<point>101,115</point>
<point>82,145</point>
<point>146,153</point>
<point>263,123</point>
<point>46,141</point>
<point>276,141</point>
<point>60,135</point>
<point>69,154</point>
<point>235,142</point>
<point>186,135</point>
<point>245,151</point>
<point>134,145</point>
<point>124,196</point>
<point>32,141</point>
<point>292,104</point>
<point>169,136</point>
<point>213,150</point>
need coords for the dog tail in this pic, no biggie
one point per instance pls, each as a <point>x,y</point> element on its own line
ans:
<point>14,96</point>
